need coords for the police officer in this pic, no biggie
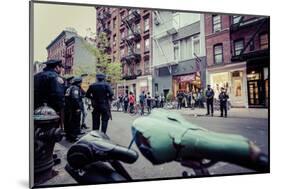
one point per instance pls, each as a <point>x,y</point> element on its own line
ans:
<point>223,102</point>
<point>73,109</point>
<point>210,100</point>
<point>49,87</point>
<point>101,94</point>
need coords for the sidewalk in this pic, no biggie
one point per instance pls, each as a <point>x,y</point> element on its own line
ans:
<point>261,113</point>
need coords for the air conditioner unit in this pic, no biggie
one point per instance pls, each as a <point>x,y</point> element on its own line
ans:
<point>156,21</point>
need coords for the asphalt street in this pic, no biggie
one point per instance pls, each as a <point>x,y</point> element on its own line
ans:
<point>119,130</point>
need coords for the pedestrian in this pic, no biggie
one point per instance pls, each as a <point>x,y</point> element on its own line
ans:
<point>142,99</point>
<point>126,102</point>
<point>192,100</point>
<point>179,98</point>
<point>49,88</point>
<point>74,108</point>
<point>156,98</point>
<point>148,102</point>
<point>210,100</point>
<point>223,97</point>
<point>131,102</point>
<point>120,100</point>
<point>101,95</point>
<point>200,99</point>
<point>162,100</point>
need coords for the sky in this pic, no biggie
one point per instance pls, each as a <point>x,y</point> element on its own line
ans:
<point>51,19</point>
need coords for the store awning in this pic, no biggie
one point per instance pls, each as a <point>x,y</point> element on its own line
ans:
<point>185,78</point>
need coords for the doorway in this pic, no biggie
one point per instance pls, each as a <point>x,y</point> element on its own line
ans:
<point>254,91</point>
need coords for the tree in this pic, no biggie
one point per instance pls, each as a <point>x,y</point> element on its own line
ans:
<point>104,65</point>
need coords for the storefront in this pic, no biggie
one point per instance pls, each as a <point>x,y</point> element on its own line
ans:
<point>186,83</point>
<point>258,85</point>
<point>142,83</point>
<point>233,78</point>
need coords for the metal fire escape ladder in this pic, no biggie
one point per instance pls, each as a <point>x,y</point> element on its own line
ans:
<point>253,36</point>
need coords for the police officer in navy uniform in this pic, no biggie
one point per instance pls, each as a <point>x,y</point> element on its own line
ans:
<point>223,102</point>
<point>49,87</point>
<point>101,95</point>
<point>73,109</point>
<point>210,100</point>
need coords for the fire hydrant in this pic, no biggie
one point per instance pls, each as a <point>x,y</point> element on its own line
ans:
<point>46,134</point>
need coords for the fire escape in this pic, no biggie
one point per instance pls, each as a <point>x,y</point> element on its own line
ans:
<point>103,17</point>
<point>258,23</point>
<point>67,63</point>
<point>170,28</point>
<point>133,36</point>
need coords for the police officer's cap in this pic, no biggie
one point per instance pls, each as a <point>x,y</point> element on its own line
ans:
<point>76,80</point>
<point>100,76</point>
<point>53,62</point>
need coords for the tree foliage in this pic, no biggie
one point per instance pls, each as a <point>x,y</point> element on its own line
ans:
<point>111,69</point>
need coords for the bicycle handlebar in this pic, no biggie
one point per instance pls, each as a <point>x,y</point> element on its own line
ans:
<point>164,136</point>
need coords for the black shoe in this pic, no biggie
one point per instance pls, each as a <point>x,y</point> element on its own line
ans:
<point>225,116</point>
<point>207,114</point>
<point>212,114</point>
<point>221,116</point>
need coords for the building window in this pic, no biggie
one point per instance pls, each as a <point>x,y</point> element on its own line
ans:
<point>216,23</point>
<point>218,54</point>
<point>146,24</point>
<point>114,23</point>
<point>122,15</point>
<point>264,41</point>
<point>252,45</point>
<point>146,65</point>
<point>138,47</point>
<point>238,46</point>
<point>122,52</point>
<point>156,87</point>
<point>185,49</point>
<point>114,40</point>
<point>146,44</point>
<point>176,51</point>
<point>236,19</point>
<point>122,34</point>
<point>196,45</point>
<point>137,27</point>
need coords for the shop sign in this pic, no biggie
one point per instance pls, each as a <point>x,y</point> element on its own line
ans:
<point>186,78</point>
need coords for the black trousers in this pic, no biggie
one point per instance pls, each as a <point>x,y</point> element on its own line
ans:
<point>223,108</point>
<point>210,104</point>
<point>125,107</point>
<point>100,114</point>
<point>72,123</point>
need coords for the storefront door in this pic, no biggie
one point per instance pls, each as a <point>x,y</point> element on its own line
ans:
<point>254,91</point>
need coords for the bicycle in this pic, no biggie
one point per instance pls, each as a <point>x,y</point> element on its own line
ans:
<point>161,137</point>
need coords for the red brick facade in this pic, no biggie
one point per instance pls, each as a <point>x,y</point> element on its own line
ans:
<point>114,26</point>
<point>214,38</point>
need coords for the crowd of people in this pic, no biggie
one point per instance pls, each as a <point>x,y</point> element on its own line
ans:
<point>128,102</point>
<point>193,99</point>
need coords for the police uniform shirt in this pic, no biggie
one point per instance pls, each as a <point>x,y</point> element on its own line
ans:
<point>100,93</point>
<point>49,88</point>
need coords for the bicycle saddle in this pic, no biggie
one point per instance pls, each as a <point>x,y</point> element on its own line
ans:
<point>96,146</point>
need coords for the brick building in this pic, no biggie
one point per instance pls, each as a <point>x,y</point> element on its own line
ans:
<point>129,36</point>
<point>56,49</point>
<point>70,48</point>
<point>234,47</point>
